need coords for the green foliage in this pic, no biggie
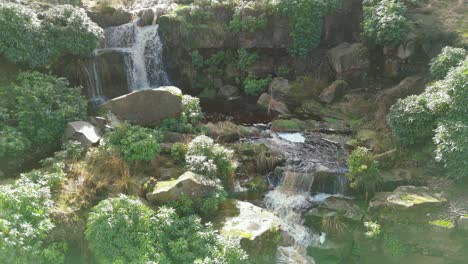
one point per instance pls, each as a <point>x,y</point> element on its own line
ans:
<point>124,230</point>
<point>204,206</point>
<point>210,159</point>
<point>246,59</point>
<point>411,121</point>
<point>363,171</point>
<point>197,59</point>
<point>191,115</point>
<point>449,58</point>
<point>52,178</point>
<point>254,86</point>
<point>12,143</point>
<point>456,86</point>
<point>384,21</point>
<point>178,151</point>
<point>305,22</point>
<point>64,29</point>
<point>250,24</point>
<point>25,223</point>
<point>373,229</point>
<point>134,143</point>
<point>41,106</point>
<point>452,147</point>
<point>393,244</point>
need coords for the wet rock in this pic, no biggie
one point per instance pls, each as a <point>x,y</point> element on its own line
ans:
<point>329,181</point>
<point>279,88</point>
<point>334,92</point>
<point>228,91</point>
<point>344,207</point>
<point>257,227</point>
<point>147,18</point>
<point>264,100</point>
<point>111,71</point>
<point>395,178</point>
<point>83,132</point>
<point>189,183</point>
<point>288,125</point>
<point>110,17</point>
<point>99,121</point>
<point>407,203</point>
<point>147,107</point>
<point>350,61</point>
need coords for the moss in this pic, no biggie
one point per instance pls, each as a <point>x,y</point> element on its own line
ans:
<point>442,223</point>
<point>287,125</point>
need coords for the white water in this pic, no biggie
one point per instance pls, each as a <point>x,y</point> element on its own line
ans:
<point>141,48</point>
<point>145,68</point>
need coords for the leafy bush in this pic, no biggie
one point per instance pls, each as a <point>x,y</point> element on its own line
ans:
<point>254,86</point>
<point>373,229</point>
<point>305,22</point>
<point>197,59</point>
<point>384,21</point>
<point>209,159</point>
<point>456,85</point>
<point>449,58</point>
<point>134,143</point>
<point>44,106</point>
<point>25,223</point>
<point>191,115</point>
<point>363,171</point>
<point>246,59</point>
<point>204,206</point>
<point>124,230</point>
<point>452,147</point>
<point>64,29</point>
<point>411,121</point>
<point>178,151</point>
<point>248,23</point>
<point>12,143</point>
<point>53,179</point>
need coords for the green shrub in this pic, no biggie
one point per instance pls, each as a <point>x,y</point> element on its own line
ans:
<point>305,22</point>
<point>44,105</point>
<point>197,59</point>
<point>203,206</point>
<point>134,143</point>
<point>124,230</point>
<point>52,179</point>
<point>254,86</point>
<point>248,23</point>
<point>363,171</point>
<point>452,147</point>
<point>25,223</point>
<point>449,58</point>
<point>209,159</point>
<point>178,151</point>
<point>411,121</point>
<point>64,29</point>
<point>12,143</point>
<point>119,230</point>
<point>456,84</point>
<point>384,21</point>
<point>246,59</point>
<point>191,115</point>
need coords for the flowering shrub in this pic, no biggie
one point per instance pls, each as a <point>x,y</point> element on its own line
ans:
<point>124,230</point>
<point>363,171</point>
<point>24,222</point>
<point>191,115</point>
<point>372,229</point>
<point>209,159</point>
<point>204,206</point>
<point>449,58</point>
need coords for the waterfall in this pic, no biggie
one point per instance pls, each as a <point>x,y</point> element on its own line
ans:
<point>305,160</point>
<point>141,48</point>
<point>93,82</point>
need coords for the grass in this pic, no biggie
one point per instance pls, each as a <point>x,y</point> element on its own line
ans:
<point>442,223</point>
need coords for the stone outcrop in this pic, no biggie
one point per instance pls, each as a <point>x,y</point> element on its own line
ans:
<point>343,207</point>
<point>350,61</point>
<point>228,91</point>
<point>110,17</point>
<point>147,107</point>
<point>83,132</point>
<point>334,92</point>
<point>254,225</point>
<point>189,184</point>
<point>408,198</point>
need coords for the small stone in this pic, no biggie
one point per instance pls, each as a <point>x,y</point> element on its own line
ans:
<point>334,92</point>
<point>83,132</point>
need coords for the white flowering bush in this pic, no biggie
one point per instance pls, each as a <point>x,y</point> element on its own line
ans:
<point>191,109</point>
<point>24,221</point>
<point>209,159</point>
<point>372,229</point>
<point>124,230</point>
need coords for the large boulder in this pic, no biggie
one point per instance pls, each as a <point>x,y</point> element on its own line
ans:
<point>254,225</point>
<point>334,92</point>
<point>228,91</point>
<point>83,132</point>
<point>189,184</point>
<point>343,207</point>
<point>279,88</point>
<point>147,18</point>
<point>147,107</point>
<point>110,17</point>
<point>407,203</point>
<point>349,61</point>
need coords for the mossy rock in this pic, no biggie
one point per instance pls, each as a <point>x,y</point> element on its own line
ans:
<point>288,125</point>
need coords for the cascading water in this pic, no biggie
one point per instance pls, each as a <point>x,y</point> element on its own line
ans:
<point>141,48</point>
<point>292,195</point>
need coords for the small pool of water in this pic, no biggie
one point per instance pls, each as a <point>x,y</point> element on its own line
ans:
<point>292,137</point>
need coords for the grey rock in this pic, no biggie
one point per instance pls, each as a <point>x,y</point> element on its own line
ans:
<point>83,132</point>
